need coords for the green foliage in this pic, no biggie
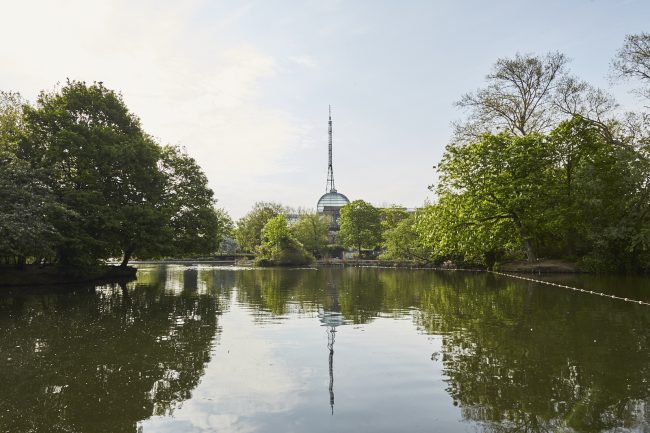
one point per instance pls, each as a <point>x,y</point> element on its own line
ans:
<point>275,230</point>
<point>573,193</point>
<point>11,107</point>
<point>116,190</point>
<point>391,216</point>
<point>249,228</point>
<point>100,165</point>
<point>279,247</point>
<point>28,213</point>
<point>400,240</point>
<point>541,167</point>
<point>403,242</point>
<point>360,225</point>
<point>196,227</point>
<point>498,185</point>
<point>311,231</point>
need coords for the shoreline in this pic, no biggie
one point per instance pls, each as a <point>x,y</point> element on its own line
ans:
<point>37,276</point>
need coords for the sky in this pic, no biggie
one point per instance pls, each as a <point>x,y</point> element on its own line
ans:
<point>245,86</point>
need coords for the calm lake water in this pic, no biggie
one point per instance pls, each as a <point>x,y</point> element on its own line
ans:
<point>207,349</point>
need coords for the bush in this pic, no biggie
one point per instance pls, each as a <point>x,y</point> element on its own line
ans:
<point>280,248</point>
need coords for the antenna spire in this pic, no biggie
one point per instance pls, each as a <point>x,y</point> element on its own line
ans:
<point>330,171</point>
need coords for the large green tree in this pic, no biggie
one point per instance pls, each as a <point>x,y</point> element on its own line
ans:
<point>604,196</point>
<point>125,194</point>
<point>101,165</point>
<point>500,178</point>
<point>360,225</point>
<point>572,194</point>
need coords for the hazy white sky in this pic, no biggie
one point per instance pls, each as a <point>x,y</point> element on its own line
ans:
<point>245,85</point>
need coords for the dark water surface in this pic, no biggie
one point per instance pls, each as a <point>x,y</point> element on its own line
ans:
<point>205,349</point>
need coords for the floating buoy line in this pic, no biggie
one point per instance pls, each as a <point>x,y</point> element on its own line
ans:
<point>575,289</point>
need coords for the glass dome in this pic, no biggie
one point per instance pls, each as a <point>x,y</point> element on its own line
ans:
<point>332,199</point>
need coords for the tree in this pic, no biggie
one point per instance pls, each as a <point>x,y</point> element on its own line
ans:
<point>196,226</point>
<point>225,230</point>
<point>28,213</point>
<point>249,227</point>
<point>604,194</point>
<point>519,97</point>
<point>279,246</point>
<point>500,178</point>
<point>402,241</point>
<point>127,195</point>
<point>311,230</point>
<point>399,238</point>
<point>100,165</point>
<point>391,216</point>
<point>632,61</point>
<point>28,209</point>
<point>451,229</point>
<point>572,193</point>
<point>360,225</point>
<point>11,120</point>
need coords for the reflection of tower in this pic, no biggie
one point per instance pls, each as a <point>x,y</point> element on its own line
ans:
<point>331,317</point>
<point>331,334</point>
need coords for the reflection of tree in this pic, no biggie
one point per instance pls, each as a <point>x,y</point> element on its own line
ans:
<point>100,361</point>
<point>516,368</point>
<point>272,291</point>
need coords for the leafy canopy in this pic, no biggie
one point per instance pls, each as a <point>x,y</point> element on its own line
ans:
<point>360,225</point>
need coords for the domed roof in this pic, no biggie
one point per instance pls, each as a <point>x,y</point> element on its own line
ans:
<point>332,199</point>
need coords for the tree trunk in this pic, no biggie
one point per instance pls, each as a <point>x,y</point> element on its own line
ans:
<point>530,251</point>
<point>525,239</point>
<point>126,258</point>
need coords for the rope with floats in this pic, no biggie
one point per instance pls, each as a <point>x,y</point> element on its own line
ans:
<point>575,289</point>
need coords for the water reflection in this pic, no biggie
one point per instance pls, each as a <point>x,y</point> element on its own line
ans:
<point>99,361</point>
<point>330,316</point>
<point>520,357</point>
<point>204,349</point>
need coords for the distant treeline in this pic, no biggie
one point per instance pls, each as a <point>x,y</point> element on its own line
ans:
<point>80,181</point>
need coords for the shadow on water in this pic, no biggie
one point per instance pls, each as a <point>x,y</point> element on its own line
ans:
<point>516,356</point>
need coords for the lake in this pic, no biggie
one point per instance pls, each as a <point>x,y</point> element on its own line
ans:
<point>220,349</point>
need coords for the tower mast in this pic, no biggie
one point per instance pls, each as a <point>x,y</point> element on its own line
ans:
<point>330,171</point>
